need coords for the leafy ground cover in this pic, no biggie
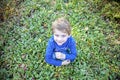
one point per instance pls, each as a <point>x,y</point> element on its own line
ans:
<point>26,28</point>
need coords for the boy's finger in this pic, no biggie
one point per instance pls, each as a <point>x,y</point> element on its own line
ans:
<point>68,60</point>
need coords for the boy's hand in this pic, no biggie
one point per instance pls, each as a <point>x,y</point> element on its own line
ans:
<point>60,55</point>
<point>65,62</point>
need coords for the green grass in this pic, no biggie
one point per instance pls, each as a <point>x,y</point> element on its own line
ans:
<point>27,28</point>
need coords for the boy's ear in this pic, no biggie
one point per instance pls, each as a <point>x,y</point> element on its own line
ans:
<point>69,35</point>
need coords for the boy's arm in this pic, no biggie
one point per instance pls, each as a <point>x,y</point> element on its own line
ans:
<point>65,62</point>
<point>49,55</point>
<point>73,53</point>
<point>50,60</point>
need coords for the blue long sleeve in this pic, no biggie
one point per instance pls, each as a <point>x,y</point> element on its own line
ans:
<point>73,53</point>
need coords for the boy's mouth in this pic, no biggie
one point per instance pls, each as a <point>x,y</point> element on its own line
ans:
<point>59,42</point>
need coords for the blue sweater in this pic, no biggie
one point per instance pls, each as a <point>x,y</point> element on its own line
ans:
<point>68,48</point>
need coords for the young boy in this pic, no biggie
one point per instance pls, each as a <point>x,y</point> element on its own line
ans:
<point>61,48</point>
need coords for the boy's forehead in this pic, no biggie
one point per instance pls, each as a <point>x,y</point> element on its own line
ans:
<point>60,31</point>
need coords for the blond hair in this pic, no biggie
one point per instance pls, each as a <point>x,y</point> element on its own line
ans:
<point>61,24</point>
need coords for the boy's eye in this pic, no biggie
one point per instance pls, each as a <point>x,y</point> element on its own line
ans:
<point>56,35</point>
<point>63,35</point>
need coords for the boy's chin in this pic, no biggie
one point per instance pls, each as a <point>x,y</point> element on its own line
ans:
<point>60,44</point>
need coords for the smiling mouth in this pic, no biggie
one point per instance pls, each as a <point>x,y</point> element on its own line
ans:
<point>60,42</point>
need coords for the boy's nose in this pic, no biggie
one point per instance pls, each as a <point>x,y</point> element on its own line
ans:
<point>59,39</point>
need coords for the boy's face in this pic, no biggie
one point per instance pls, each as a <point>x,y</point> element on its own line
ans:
<point>60,37</point>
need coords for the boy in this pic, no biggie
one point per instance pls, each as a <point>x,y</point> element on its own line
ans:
<point>61,48</point>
